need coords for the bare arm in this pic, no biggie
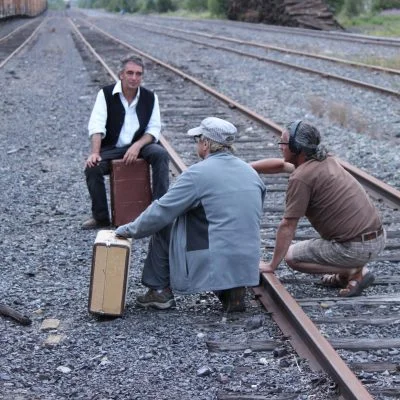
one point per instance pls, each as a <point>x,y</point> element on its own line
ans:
<point>94,157</point>
<point>272,166</point>
<point>284,237</point>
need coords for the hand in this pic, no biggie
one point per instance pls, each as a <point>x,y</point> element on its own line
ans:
<point>120,233</point>
<point>266,267</point>
<point>131,154</point>
<point>93,160</point>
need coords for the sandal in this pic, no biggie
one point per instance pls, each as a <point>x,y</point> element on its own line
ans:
<point>334,281</point>
<point>355,287</point>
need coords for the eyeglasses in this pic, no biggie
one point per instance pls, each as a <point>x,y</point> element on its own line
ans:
<point>282,143</point>
<point>197,138</point>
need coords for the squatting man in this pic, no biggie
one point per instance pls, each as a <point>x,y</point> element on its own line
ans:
<point>337,207</point>
<point>215,208</point>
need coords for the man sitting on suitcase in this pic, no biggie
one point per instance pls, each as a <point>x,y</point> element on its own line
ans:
<point>216,207</point>
<point>124,124</point>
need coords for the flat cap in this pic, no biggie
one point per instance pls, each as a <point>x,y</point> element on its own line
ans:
<point>216,129</point>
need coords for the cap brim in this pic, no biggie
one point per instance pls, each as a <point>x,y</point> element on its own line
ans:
<point>194,131</point>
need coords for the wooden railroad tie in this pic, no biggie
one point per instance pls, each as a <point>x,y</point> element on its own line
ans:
<point>10,312</point>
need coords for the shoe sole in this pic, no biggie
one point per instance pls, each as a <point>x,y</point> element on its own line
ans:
<point>159,306</point>
<point>365,282</point>
<point>232,299</point>
<point>236,308</point>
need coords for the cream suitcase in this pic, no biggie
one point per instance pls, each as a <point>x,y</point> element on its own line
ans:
<point>109,275</point>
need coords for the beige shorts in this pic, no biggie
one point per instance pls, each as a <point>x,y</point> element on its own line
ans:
<point>347,254</point>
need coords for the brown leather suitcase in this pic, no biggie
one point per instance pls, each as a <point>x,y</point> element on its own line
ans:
<point>130,190</point>
<point>109,274</point>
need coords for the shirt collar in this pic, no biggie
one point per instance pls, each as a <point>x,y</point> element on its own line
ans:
<point>118,89</point>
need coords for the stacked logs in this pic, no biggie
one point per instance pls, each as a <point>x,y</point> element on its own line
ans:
<point>312,14</point>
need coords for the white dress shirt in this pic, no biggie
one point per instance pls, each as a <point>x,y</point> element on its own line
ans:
<point>98,117</point>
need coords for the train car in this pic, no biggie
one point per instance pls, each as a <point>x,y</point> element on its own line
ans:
<point>7,8</point>
<point>35,7</point>
<point>21,8</point>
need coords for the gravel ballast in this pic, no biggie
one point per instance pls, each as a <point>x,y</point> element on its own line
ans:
<point>361,126</point>
<point>45,259</point>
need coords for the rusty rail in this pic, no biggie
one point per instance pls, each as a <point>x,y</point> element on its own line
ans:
<point>323,74</point>
<point>271,47</point>
<point>369,181</point>
<point>306,338</point>
<point>18,49</point>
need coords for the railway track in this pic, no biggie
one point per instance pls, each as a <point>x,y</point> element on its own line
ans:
<point>348,324</point>
<point>285,57</point>
<point>331,35</point>
<point>372,52</point>
<point>12,42</point>
<point>270,84</point>
<point>266,47</point>
<point>252,145</point>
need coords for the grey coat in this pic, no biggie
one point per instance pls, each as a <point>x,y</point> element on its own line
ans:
<point>216,206</point>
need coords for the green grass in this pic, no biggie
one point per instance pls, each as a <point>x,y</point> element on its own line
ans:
<point>393,63</point>
<point>376,25</point>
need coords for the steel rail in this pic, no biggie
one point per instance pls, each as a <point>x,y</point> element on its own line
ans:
<point>273,295</point>
<point>18,49</point>
<point>231,103</point>
<point>367,179</point>
<point>306,338</point>
<point>332,35</point>
<point>336,35</point>
<point>16,30</point>
<point>276,48</point>
<point>323,74</point>
<point>377,189</point>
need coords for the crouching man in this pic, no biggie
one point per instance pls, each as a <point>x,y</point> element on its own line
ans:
<point>336,205</point>
<point>215,208</point>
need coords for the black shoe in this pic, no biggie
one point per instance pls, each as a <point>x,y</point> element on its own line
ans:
<point>161,300</point>
<point>232,299</point>
<point>95,224</point>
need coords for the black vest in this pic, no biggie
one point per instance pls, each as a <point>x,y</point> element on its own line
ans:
<point>116,114</point>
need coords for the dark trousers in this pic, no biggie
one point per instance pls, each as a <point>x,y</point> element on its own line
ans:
<point>153,153</point>
<point>155,273</point>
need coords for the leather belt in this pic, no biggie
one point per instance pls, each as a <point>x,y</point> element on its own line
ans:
<point>367,236</point>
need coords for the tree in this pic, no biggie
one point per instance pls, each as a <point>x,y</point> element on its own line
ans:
<point>379,5</point>
<point>335,5</point>
<point>351,8</point>
<point>165,6</point>
<point>196,5</point>
<point>218,7</point>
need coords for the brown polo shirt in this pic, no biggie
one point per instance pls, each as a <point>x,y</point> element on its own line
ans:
<point>336,205</point>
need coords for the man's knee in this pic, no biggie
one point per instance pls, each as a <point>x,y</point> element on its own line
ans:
<point>289,258</point>
<point>162,155</point>
<point>90,171</point>
<point>94,173</point>
<point>156,154</point>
